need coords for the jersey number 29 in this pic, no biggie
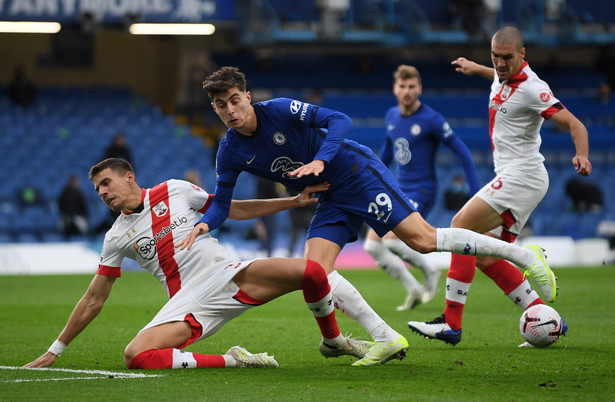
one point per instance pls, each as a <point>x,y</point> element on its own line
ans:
<point>382,202</point>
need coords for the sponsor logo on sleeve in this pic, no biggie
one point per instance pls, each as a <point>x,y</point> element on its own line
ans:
<point>295,106</point>
<point>447,129</point>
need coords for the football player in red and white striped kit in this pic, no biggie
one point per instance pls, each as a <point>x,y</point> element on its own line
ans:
<point>518,104</point>
<point>206,288</point>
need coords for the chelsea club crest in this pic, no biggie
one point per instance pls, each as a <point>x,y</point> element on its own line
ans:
<point>279,138</point>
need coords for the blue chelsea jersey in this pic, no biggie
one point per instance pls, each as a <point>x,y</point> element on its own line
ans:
<point>413,142</point>
<point>290,134</point>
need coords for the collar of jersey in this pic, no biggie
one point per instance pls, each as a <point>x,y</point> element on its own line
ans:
<point>139,208</point>
<point>519,76</point>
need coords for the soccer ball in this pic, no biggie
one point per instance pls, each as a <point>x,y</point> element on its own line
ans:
<point>540,325</point>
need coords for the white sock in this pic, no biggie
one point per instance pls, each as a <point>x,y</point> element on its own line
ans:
<point>466,242</point>
<point>410,255</point>
<point>183,359</point>
<point>350,302</point>
<point>336,342</point>
<point>229,361</point>
<point>457,291</point>
<point>322,307</point>
<point>523,295</point>
<point>392,265</point>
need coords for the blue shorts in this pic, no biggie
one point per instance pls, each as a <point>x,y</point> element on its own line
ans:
<point>372,196</point>
<point>423,201</point>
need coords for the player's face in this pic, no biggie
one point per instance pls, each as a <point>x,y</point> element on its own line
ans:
<point>234,109</point>
<point>113,188</point>
<point>407,92</point>
<point>507,59</point>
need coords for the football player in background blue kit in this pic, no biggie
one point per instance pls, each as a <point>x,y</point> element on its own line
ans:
<point>297,144</point>
<point>414,133</point>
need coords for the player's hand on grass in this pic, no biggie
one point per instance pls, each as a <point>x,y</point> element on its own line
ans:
<point>199,229</point>
<point>305,198</point>
<point>315,167</point>
<point>45,360</point>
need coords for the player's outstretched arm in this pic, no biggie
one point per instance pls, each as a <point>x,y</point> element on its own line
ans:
<point>468,67</point>
<point>85,311</point>
<point>567,121</point>
<point>249,209</point>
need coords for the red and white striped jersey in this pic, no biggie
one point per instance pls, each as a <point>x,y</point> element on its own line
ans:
<point>517,109</point>
<point>167,214</point>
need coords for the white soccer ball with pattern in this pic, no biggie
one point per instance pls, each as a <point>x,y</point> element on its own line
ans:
<point>540,325</point>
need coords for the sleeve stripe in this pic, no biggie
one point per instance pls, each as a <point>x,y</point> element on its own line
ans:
<point>313,116</point>
<point>106,270</point>
<point>207,204</point>
<point>225,184</point>
<point>551,110</point>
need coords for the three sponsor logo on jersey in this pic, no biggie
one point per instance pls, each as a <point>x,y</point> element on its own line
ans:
<point>286,165</point>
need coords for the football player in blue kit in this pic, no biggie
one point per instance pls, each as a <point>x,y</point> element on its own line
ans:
<point>298,144</point>
<point>414,133</point>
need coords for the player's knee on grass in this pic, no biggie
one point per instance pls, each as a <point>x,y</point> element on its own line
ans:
<point>129,354</point>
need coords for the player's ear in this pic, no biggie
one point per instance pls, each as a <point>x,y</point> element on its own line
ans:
<point>248,96</point>
<point>130,177</point>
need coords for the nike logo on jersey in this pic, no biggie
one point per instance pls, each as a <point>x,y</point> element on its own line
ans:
<point>249,161</point>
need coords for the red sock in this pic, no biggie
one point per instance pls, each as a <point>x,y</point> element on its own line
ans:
<point>459,278</point>
<point>174,358</point>
<point>504,274</point>
<point>509,278</point>
<point>317,295</point>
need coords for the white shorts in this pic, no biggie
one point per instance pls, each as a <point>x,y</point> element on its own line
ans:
<point>207,304</point>
<point>514,194</point>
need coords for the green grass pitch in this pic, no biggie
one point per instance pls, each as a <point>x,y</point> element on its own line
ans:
<point>485,366</point>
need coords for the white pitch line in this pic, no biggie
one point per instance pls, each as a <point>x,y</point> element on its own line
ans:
<point>54,379</point>
<point>112,374</point>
